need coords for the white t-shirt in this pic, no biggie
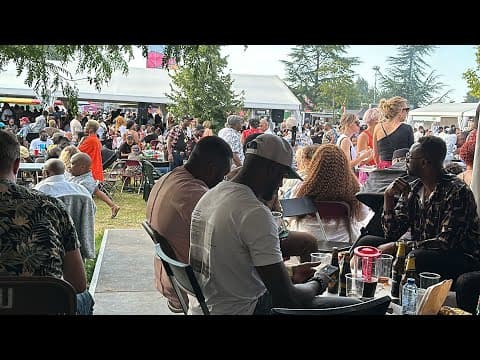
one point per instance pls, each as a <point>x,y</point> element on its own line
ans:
<point>231,233</point>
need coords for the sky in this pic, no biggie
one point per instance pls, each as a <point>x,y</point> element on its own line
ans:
<point>449,62</point>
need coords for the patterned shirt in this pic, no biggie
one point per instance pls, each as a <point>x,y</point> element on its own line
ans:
<point>86,180</point>
<point>179,133</point>
<point>448,217</point>
<point>35,232</point>
<point>232,138</point>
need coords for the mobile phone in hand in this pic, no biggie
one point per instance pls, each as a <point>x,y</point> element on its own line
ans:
<point>329,270</point>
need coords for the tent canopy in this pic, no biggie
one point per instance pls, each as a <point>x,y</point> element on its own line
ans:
<point>152,85</point>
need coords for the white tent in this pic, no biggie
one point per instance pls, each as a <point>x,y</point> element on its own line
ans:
<point>438,113</point>
<point>152,85</point>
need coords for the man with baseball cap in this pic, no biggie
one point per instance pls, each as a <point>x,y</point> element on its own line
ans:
<point>234,244</point>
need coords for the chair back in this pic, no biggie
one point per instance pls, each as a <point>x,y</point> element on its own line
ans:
<point>375,202</point>
<point>81,209</point>
<point>339,210</point>
<point>181,275</point>
<point>36,295</point>
<point>148,178</point>
<point>377,306</point>
<point>108,157</point>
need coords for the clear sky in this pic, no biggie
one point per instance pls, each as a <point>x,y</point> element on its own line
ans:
<point>449,62</point>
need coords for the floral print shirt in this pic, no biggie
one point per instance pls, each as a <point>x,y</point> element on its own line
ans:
<point>35,232</point>
<point>448,217</point>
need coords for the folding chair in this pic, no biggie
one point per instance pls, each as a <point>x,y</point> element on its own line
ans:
<point>132,171</point>
<point>148,178</point>
<point>181,275</point>
<point>36,295</point>
<point>377,306</point>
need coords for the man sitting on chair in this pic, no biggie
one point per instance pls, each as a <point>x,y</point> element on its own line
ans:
<point>234,243</point>
<point>37,236</point>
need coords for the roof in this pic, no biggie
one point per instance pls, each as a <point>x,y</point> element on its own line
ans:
<point>151,86</point>
<point>445,109</point>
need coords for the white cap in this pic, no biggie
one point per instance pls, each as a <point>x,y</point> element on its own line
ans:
<point>274,148</point>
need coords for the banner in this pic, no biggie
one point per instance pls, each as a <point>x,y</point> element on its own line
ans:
<point>155,57</point>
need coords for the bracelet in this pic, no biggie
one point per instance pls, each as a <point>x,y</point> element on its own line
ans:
<point>319,280</point>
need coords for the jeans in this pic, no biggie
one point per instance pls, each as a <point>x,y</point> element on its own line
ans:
<point>85,303</point>
<point>177,160</point>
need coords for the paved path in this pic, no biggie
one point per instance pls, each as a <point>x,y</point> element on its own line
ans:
<point>123,280</point>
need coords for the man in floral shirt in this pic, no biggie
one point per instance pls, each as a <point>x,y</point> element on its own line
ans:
<point>231,134</point>
<point>179,143</point>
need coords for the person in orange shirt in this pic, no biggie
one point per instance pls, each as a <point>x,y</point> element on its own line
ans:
<point>93,147</point>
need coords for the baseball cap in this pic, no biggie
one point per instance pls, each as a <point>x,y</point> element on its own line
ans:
<point>400,153</point>
<point>274,148</point>
<point>2,125</point>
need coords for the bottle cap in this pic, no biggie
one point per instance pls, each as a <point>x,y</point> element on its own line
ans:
<point>410,281</point>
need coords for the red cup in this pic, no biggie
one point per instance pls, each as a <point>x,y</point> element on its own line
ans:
<point>36,152</point>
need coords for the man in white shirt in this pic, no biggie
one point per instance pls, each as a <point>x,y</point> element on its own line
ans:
<point>265,126</point>
<point>234,244</point>
<point>42,142</point>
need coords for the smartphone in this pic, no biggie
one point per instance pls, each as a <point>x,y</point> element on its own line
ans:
<point>329,270</point>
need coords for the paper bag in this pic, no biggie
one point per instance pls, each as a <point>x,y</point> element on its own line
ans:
<point>434,298</point>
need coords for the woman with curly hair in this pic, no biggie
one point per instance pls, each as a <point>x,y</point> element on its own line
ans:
<point>66,155</point>
<point>332,179</point>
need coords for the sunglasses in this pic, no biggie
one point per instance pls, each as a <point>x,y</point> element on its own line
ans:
<point>407,109</point>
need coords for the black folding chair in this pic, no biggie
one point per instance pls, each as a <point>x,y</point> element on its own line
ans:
<point>377,306</point>
<point>36,295</point>
<point>181,275</point>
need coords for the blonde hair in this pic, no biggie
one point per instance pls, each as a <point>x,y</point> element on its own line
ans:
<point>304,156</point>
<point>207,124</point>
<point>331,178</point>
<point>371,115</point>
<point>347,120</point>
<point>391,107</point>
<point>119,121</point>
<point>67,154</point>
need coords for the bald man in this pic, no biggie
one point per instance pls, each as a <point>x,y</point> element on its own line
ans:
<point>55,184</point>
<point>81,174</point>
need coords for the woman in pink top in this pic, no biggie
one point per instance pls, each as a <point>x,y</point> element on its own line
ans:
<point>365,139</point>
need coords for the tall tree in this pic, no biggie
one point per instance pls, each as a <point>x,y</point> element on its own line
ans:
<point>201,87</point>
<point>469,98</point>
<point>473,77</point>
<point>408,76</point>
<point>363,94</point>
<point>46,71</point>
<point>321,74</point>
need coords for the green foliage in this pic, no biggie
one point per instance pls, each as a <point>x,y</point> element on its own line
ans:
<point>473,78</point>
<point>322,74</point>
<point>408,76</point>
<point>469,98</point>
<point>362,94</point>
<point>201,87</point>
<point>46,67</point>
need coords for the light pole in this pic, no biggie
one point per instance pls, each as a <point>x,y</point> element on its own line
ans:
<point>375,68</point>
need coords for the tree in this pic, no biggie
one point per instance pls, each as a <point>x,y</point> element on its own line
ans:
<point>407,77</point>
<point>469,98</point>
<point>47,72</point>
<point>321,74</point>
<point>363,94</point>
<point>473,78</point>
<point>201,88</point>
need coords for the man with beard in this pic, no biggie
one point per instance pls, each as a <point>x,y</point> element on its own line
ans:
<point>440,211</point>
<point>234,243</point>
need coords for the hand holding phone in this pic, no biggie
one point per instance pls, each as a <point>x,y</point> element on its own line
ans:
<point>328,269</point>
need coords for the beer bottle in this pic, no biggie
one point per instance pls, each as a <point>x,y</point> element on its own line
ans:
<point>333,284</point>
<point>410,271</point>
<point>345,270</point>
<point>397,269</point>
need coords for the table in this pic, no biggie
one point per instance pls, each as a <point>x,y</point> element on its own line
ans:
<point>34,168</point>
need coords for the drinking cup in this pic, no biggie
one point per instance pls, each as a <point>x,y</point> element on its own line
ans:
<point>428,279</point>
<point>354,285</point>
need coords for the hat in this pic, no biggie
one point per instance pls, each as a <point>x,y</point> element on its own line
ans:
<point>274,148</point>
<point>400,153</point>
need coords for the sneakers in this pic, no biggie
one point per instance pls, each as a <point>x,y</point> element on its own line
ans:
<point>173,308</point>
<point>115,211</point>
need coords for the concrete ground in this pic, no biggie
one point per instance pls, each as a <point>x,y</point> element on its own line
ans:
<point>123,279</point>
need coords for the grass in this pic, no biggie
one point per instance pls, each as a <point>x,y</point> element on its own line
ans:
<point>131,215</point>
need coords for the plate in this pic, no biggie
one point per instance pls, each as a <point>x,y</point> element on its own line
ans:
<point>367,169</point>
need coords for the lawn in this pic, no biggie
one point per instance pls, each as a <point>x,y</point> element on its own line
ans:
<point>131,215</point>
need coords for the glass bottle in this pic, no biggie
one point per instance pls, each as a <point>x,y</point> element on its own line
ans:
<point>333,283</point>
<point>345,270</point>
<point>398,269</point>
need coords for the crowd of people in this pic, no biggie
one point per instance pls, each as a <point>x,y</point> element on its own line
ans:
<point>215,204</point>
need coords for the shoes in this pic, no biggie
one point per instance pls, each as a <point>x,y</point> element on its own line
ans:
<point>115,211</point>
<point>173,308</point>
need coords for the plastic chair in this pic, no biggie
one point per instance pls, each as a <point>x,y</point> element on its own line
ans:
<point>181,275</point>
<point>377,306</point>
<point>336,210</point>
<point>148,178</point>
<point>36,295</point>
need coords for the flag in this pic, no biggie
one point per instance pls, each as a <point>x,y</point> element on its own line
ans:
<point>155,57</point>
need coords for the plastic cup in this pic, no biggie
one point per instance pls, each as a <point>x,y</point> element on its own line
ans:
<point>36,152</point>
<point>428,279</point>
<point>354,285</point>
<point>323,258</point>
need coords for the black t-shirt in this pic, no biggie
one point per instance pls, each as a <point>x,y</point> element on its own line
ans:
<point>124,149</point>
